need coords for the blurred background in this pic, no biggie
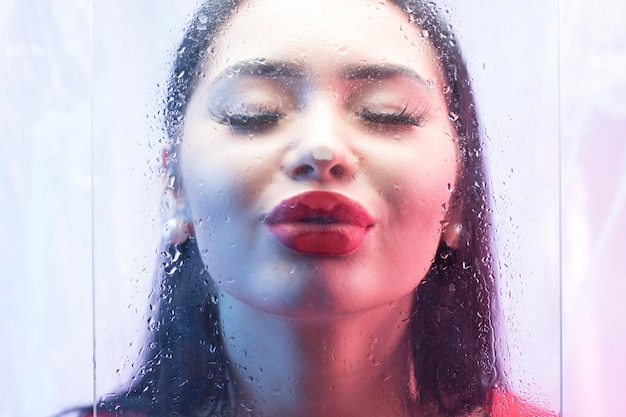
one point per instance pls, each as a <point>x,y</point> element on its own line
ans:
<point>46,183</point>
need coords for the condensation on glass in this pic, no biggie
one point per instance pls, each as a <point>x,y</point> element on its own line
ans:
<point>331,209</point>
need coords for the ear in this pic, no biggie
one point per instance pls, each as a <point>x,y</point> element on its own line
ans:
<point>169,168</point>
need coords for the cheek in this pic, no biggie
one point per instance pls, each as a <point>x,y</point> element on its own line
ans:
<point>419,196</point>
<point>223,176</point>
<point>421,210</point>
<point>221,226</point>
<point>420,186</point>
<point>418,210</point>
<point>207,190</point>
<point>222,181</point>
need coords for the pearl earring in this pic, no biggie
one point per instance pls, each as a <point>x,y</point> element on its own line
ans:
<point>452,235</point>
<point>176,231</point>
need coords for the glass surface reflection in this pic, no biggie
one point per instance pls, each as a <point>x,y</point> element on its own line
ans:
<point>327,238</point>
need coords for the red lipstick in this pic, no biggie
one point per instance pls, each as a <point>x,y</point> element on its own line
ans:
<point>320,222</point>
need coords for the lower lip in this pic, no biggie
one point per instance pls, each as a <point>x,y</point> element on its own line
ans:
<point>320,239</point>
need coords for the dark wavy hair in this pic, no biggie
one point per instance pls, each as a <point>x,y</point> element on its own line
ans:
<point>186,372</point>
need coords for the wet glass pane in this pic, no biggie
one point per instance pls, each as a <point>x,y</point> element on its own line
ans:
<point>339,208</point>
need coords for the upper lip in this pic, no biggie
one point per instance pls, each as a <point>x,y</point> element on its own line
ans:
<point>320,207</point>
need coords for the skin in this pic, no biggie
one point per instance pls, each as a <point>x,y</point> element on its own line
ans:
<point>367,95</point>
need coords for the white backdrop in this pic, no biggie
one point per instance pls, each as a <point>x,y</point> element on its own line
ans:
<point>45,210</point>
<point>45,185</point>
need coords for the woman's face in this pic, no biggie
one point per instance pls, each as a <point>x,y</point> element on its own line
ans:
<point>318,156</point>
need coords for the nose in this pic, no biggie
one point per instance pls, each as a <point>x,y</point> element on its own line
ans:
<point>322,151</point>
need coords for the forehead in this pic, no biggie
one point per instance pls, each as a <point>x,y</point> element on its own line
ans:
<point>321,35</point>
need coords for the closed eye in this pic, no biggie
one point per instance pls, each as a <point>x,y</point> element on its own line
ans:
<point>250,121</point>
<point>398,117</point>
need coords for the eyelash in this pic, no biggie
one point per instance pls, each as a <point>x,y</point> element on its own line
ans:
<point>399,117</point>
<point>250,121</point>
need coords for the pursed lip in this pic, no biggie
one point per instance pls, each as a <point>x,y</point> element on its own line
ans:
<point>320,222</point>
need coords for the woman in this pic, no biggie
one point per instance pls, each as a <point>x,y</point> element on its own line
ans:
<point>328,241</point>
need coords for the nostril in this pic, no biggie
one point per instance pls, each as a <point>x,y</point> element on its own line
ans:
<point>303,170</point>
<point>337,171</point>
<point>322,163</point>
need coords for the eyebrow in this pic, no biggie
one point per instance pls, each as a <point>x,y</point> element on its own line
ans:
<point>281,69</point>
<point>381,72</point>
<point>261,68</point>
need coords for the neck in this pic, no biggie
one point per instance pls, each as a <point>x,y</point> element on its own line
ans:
<point>347,365</point>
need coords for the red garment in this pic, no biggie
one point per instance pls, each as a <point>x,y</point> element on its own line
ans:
<point>506,404</point>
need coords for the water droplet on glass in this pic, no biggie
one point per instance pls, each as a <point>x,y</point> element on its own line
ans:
<point>247,407</point>
<point>453,116</point>
<point>292,269</point>
<point>343,50</point>
<point>177,255</point>
<point>375,362</point>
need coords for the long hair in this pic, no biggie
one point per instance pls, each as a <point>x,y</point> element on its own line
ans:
<point>452,326</point>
